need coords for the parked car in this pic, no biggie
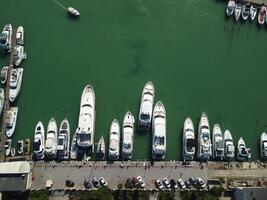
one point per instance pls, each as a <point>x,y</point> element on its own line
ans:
<point>188,184</point>
<point>173,184</point>
<point>141,182</point>
<point>159,184</point>
<point>95,183</point>
<point>181,184</point>
<point>103,182</point>
<point>200,183</point>
<point>69,183</point>
<point>135,182</point>
<point>87,184</point>
<point>193,181</point>
<point>166,183</point>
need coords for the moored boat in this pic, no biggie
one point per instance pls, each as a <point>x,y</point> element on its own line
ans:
<point>101,149</point>
<point>229,147</point>
<point>20,36</point>
<point>27,146</point>
<point>86,125</point>
<point>238,10</point>
<point>114,141</point>
<point>39,141</point>
<point>230,8</point>
<point>20,147</point>
<point>243,152</point>
<point>2,99</point>
<point>146,107</point>
<point>73,12</point>
<point>74,147</point>
<point>204,141</point>
<point>63,145</point>
<point>11,120</point>
<point>263,146</point>
<point>245,11</point>
<point>8,146</point>
<point>15,83</point>
<point>19,55</point>
<point>127,136</point>
<point>5,38</point>
<point>159,132</point>
<point>252,12</point>
<point>217,143</point>
<point>262,15</point>
<point>13,152</point>
<point>4,72</point>
<point>189,148</point>
<point>51,139</point>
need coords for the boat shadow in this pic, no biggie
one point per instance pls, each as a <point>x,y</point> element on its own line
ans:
<point>72,17</point>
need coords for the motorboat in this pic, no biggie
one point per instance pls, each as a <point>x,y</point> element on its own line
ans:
<point>20,36</point>
<point>39,141</point>
<point>189,148</point>
<point>263,146</point>
<point>114,141</point>
<point>63,144</point>
<point>6,37</point>
<point>15,83</point>
<point>8,147</point>
<point>243,153</point>
<point>217,143</point>
<point>252,12</point>
<point>73,12</point>
<point>2,99</point>
<point>27,146</point>
<point>4,72</point>
<point>20,147</point>
<point>238,10</point>
<point>245,11</point>
<point>230,8</point>
<point>86,125</point>
<point>127,136</point>
<point>262,15</point>
<point>204,141</point>
<point>74,147</point>
<point>11,120</point>
<point>159,132</point>
<point>13,152</point>
<point>51,139</point>
<point>146,107</point>
<point>229,147</point>
<point>101,149</point>
<point>19,55</point>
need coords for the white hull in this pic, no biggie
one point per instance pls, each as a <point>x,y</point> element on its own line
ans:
<point>6,43</point>
<point>20,147</point>
<point>101,149</point>
<point>20,36</point>
<point>74,147</point>
<point>159,132</point>
<point>39,141</point>
<point>15,83</point>
<point>252,12</point>
<point>4,71</point>
<point>114,141</point>
<point>230,8</point>
<point>263,146</point>
<point>128,136</point>
<point>51,139</point>
<point>188,140</point>
<point>146,107</point>
<point>19,55</point>
<point>238,10</point>
<point>63,145</point>
<point>86,126</point>
<point>73,12</point>
<point>262,15</point>
<point>204,141</point>
<point>245,12</point>
<point>217,143</point>
<point>8,147</point>
<point>228,146</point>
<point>11,121</point>
<point>243,153</point>
<point>2,99</point>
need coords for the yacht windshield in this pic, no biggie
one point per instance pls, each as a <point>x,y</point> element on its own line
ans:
<point>145,117</point>
<point>159,140</point>
<point>126,146</point>
<point>60,141</point>
<point>84,137</point>
<point>36,145</point>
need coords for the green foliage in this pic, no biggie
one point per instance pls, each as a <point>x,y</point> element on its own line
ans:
<point>166,195</point>
<point>119,186</point>
<point>197,195</point>
<point>103,193</point>
<point>217,191</point>
<point>39,195</point>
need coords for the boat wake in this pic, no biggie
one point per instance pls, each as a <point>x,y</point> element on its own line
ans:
<point>58,3</point>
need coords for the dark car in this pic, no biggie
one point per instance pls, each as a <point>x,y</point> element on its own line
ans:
<point>188,184</point>
<point>87,184</point>
<point>95,183</point>
<point>193,181</point>
<point>173,184</point>
<point>69,183</point>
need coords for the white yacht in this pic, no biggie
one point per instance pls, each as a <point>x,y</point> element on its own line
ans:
<point>230,8</point>
<point>74,147</point>
<point>204,141</point>
<point>2,99</point>
<point>245,11</point>
<point>19,54</point>
<point>63,144</point>
<point>6,37</point>
<point>20,36</point>
<point>217,143</point>
<point>11,120</point>
<point>262,15</point>
<point>159,132</point>
<point>4,72</point>
<point>252,12</point>
<point>189,148</point>
<point>229,147</point>
<point>7,147</point>
<point>86,126</point>
<point>51,139</point>
<point>243,153</point>
<point>101,149</point>
<point>146,107</point>
<point>15,83</point>
<point>73,12</point>
<point>263,146</point>
<point>238,10</point>
<point>20,147</point>
<point>127,136</point>
<point>114,140</point>
<point>39,141</point>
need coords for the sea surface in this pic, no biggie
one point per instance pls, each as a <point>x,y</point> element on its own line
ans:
<point>198,60</point>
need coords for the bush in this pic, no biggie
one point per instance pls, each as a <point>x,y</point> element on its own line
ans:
<point>217,191</point>
<point>39,195</point>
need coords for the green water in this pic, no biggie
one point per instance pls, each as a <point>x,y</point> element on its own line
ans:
<point>196,58</point>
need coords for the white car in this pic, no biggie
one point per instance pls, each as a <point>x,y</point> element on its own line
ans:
<point>141,182</point>
<point>159,184</point>
<point>103,182</point>
<point>181,184</point>
<point>166,183</point>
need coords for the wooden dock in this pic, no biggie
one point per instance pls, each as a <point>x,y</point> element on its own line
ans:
<point>7,102</point>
